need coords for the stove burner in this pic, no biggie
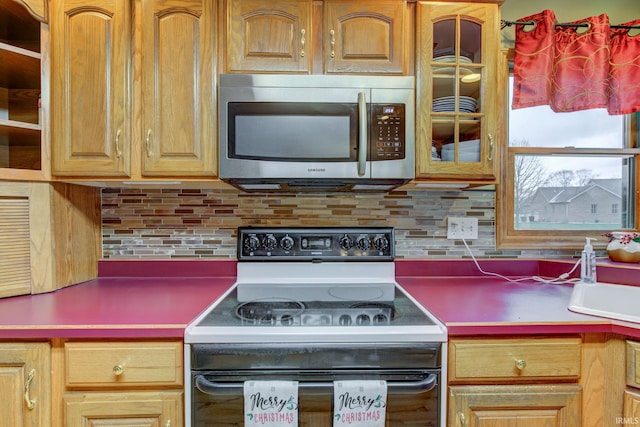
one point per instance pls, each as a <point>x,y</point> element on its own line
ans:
<point>268,312</point>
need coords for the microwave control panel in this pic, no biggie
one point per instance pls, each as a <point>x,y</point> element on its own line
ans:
<point>388,132</point>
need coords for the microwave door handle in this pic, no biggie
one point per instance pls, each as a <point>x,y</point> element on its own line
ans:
<point>396,387</point>
<point>363,137</point>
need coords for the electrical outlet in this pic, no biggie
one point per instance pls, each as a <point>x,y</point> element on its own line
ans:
<point>462,228</point>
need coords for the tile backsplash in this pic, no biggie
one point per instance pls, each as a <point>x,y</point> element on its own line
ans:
<point>201,223</point>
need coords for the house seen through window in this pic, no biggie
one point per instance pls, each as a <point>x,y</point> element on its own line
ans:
<point>571,173</point>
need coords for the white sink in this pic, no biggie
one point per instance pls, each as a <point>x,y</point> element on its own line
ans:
<point>620,302</point>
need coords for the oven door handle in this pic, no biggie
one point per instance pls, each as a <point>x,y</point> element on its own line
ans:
<point>396,387</point>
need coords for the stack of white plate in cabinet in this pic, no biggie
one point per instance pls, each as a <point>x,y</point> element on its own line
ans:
<point>451,59</point>
<point>447,104</point>
<point>468,151</point>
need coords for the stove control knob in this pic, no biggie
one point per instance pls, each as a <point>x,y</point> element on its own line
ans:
<point>287,243</point>
<point>252,243</point>
<point>381,242</point>
<point>363,320</point>
<point>286,320</point>
<point>380,319</point>
<point>270,242</point>
<point>363,242</point>
<point>344,320</point>
<point>345,242</point>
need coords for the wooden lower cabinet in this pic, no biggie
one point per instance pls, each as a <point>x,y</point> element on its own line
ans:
<point>631,407</point>
<point>140,409</point>
<point>118,383</point>
<point>557,405</point>
<point>25,384</point>
<point>515,382</point>
<point>631,404</point>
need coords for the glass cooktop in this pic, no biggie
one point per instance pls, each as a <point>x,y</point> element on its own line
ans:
<point>290,313</point>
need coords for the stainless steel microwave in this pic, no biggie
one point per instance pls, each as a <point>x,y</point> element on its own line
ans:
<point>316,132</point>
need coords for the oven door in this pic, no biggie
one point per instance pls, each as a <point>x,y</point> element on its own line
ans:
<point>413,396</point>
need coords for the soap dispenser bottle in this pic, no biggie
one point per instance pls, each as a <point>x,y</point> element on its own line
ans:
<point>588,263</point>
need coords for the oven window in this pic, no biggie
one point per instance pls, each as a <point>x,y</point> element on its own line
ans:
<point>293,131</point>
<point>224,407</point>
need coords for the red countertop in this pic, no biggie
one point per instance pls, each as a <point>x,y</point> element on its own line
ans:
<point>128,300</point>
<point>470,303</point>
<point>157,299</point>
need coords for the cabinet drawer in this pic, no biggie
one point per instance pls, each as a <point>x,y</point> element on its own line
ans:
<point>123,364</point>
<point>483,360</point>
<point>633,364</point>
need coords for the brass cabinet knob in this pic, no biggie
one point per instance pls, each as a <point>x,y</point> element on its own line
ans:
<point>118,370</point>
<point>521,364</point>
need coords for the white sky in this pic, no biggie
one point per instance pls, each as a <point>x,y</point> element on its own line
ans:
<point>586,129</point>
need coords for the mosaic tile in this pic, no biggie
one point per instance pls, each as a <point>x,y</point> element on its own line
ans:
<point>202,223</point>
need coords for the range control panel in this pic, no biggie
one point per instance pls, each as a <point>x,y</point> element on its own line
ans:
<point>316,244</point>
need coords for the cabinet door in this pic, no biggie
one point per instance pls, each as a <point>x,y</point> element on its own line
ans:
<point>365,37</point>
<point>458,89</point>
<point>25,384</point>
<point>631,410</point>
<point>138,409</point>
<point>16,247</point>
<point>273,36</point>
<point>515,406</point>
<point>90,49</point>
<point>178,79</point>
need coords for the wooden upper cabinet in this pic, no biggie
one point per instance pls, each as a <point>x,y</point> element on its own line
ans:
<point>459,114</point>
<point>91,125</point>
<point>304,37</point>
<point>272,36</point>
<point>365,37</point>
<point>24,99</point>
<point>39,9</point>
<point>178,88</point>
<point>133,88</point>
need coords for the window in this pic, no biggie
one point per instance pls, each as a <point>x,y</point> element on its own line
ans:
<point>557,168</point>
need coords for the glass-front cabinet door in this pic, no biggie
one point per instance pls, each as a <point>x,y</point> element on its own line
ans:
<point>457,50</point>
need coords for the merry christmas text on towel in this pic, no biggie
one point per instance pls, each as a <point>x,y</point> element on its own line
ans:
<point>271,403</point>
<point>359,403</point>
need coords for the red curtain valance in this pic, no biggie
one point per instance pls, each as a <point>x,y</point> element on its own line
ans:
<point>624,70</point>
<point>576,66</point>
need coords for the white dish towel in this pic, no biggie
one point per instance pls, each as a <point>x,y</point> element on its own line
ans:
<point>271,403</point>
<point>359,403</point>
